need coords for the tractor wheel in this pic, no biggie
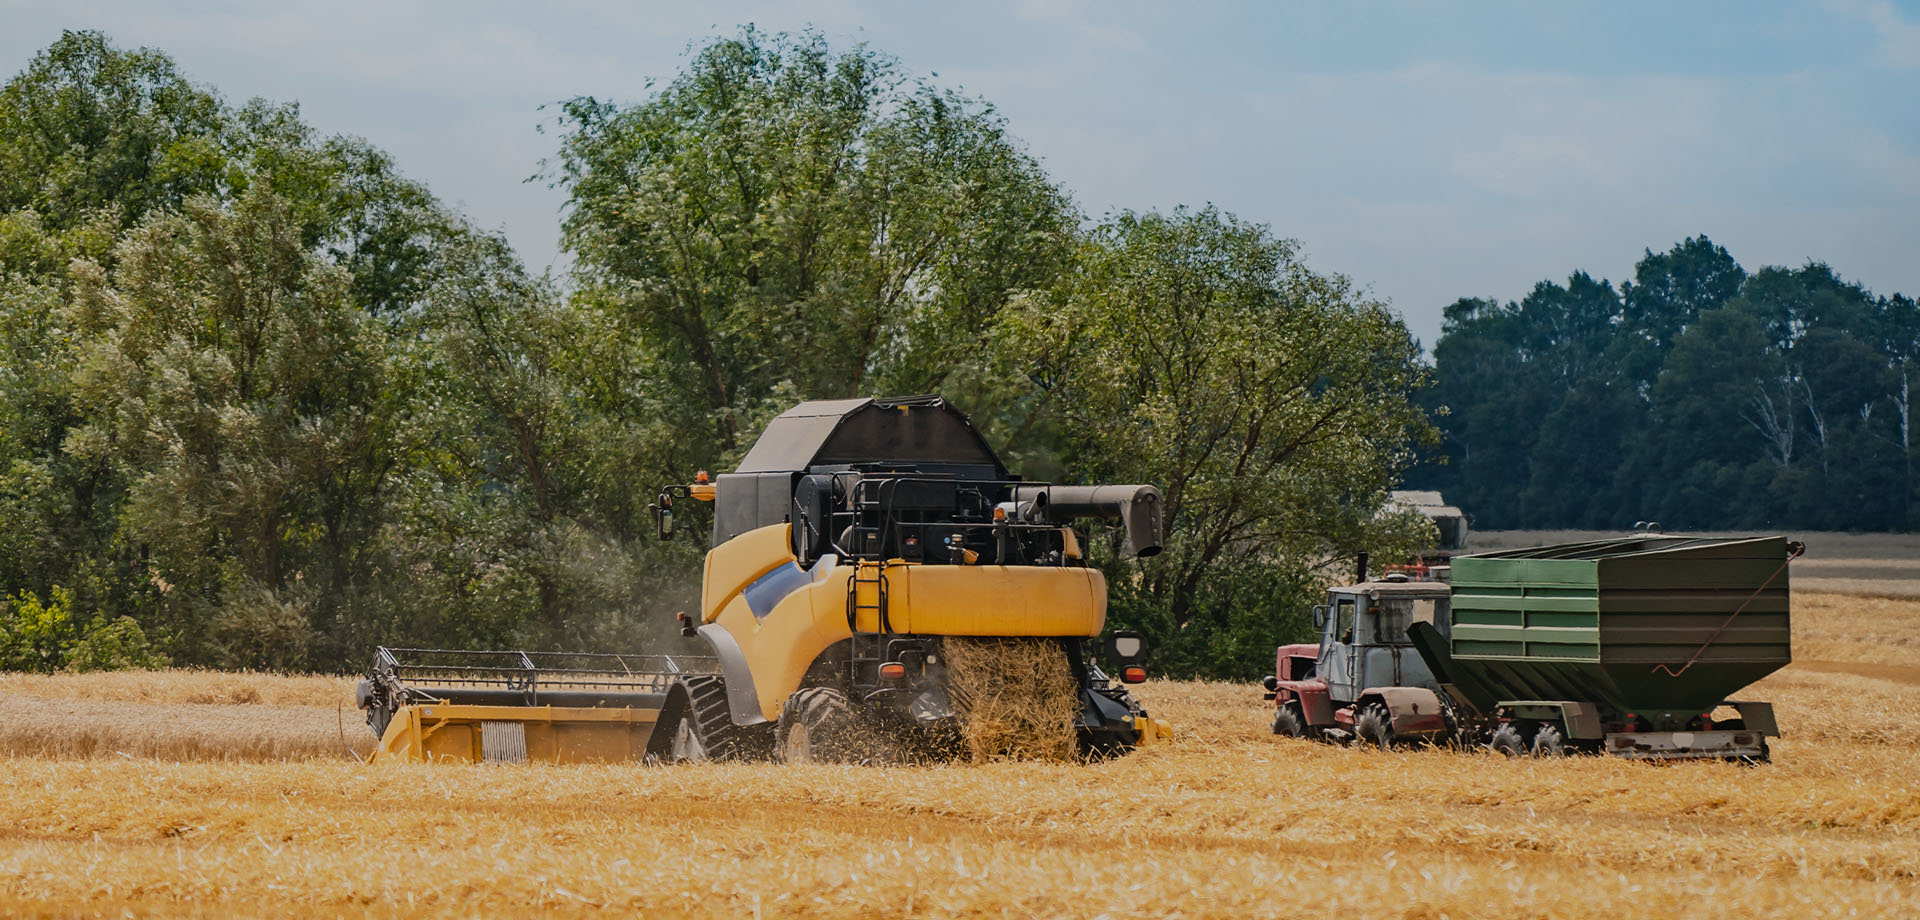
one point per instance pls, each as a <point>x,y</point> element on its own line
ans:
<point>1374,726</point>
<point>1547,742</point>
<point>818,725</point>
<point>1506,740</point>
<point>1451,737</point>
<point>1287,721</point>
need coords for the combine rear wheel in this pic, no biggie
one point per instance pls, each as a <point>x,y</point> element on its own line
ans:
<point>1506,740</point>
<point>818,725</point>
<point>1375,726</point>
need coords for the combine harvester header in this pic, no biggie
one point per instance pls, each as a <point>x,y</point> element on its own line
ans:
<point>509,706</point>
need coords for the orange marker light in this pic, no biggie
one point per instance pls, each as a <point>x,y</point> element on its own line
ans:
<point>893,670</point>
<point>1133,674</point>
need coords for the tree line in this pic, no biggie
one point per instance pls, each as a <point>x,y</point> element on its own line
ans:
<point>265,401</point>
<point>1696,395</point>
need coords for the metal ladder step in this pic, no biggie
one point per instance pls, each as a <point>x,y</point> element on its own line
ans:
<point>867,647</point>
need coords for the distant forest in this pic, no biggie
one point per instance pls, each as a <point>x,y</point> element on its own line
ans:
<point>1697,395</point>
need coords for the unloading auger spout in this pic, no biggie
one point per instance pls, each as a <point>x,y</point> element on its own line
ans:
<point>1136,506</point>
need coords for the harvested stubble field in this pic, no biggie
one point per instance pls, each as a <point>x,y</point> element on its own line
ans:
<point>1227,821</point>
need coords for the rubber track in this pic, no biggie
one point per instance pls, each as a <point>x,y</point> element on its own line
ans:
<point>718,734</point>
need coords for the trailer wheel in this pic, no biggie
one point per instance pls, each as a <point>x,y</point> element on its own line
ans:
<point>818,725</point>
<point>1547,742</point>
<point>1287,721</point>
<point>1506,740</point>
<point>1374,726</point>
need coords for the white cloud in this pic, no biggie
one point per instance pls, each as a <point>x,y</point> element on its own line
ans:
<point>1089,20</point>
<point>1899,37</point>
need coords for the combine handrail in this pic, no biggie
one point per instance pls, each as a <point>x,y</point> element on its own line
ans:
<point>890,521</point>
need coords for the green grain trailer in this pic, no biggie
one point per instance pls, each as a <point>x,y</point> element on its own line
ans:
<point>1629,646</point>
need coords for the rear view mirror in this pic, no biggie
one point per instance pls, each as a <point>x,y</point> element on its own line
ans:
<point>663,517</point>
<point>1126,646</point>
<point>1320,617</point>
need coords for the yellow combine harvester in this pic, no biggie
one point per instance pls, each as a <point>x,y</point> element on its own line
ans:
<point>857,540</point>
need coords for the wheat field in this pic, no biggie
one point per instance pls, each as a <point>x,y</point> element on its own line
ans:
<point>1225,821</point>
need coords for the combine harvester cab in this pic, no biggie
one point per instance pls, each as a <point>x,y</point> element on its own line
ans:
<point>1364,679</point>
<point>859,547</point>
<point>1629,647</point>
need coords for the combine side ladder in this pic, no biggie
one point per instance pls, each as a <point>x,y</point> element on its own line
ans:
<point>867,594</point>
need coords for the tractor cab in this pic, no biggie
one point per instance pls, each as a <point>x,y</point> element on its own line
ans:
<point>1363,635</point>
<point>1364,678</point>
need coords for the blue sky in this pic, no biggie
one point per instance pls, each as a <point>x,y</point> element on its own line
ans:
<point>1428,150</point>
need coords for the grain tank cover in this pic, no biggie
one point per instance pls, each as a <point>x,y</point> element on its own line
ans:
<point>840,432</point>
<point>922,434</point>
<point>1636,624</point>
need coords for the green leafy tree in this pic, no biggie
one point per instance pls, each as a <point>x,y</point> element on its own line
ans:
<point>1668,292</point>
<point>1489,418</point>
<point>35,636</point>
<point>1701,397</point>
<point>1894,329</point>
<point>88,127</point>
<point>97,141</point>
<point>232,380</point>
<point>786,219</point>
<point>1271,405</point>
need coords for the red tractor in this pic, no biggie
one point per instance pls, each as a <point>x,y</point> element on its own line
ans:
<point>1364,679</point>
